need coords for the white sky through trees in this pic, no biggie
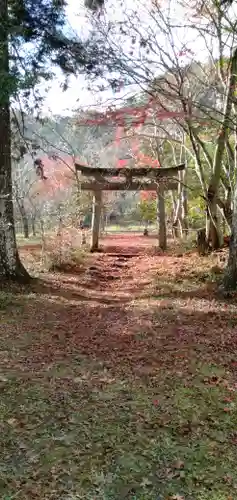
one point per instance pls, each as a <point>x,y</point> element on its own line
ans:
<point>77,95</point>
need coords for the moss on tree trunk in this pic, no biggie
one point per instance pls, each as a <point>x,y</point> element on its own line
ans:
<point>230,275</point>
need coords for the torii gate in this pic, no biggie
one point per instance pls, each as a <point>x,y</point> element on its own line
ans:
<point>128,179</point>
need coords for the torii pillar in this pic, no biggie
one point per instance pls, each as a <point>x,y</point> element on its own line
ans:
<point>162,218</point>
<point>96,218</point>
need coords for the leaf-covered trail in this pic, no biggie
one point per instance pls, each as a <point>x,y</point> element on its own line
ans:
<point>119,382</point>
<point>127,310</point>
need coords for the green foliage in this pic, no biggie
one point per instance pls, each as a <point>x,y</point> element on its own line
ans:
<point>148,210</point>
<point>196,212</point>
<point>65,259</point>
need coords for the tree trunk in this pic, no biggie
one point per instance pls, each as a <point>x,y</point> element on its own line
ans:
<point>180,224</point>
<point>162,220</point>
<point>96,215</point>
<point>25,227</point>
<point>145,231</point>
<point>174,204</point>
<point>10,265</point>
<point>202,244</point>
<point>215,233</point>
<point>184,205</point>
<point>33,226</point>
<point>177,214</point>
<point>25,222</point>
<point>24,218</point>
<point>230,275</point>
<point>225,208</point>
<point>102,222</point>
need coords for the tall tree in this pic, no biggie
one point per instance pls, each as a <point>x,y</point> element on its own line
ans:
<point>229,283</point>
<point>32,41</point>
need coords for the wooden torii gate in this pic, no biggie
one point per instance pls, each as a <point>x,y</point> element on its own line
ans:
<point>128,179</point>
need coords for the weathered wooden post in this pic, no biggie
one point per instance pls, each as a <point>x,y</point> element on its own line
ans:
<point>83,238</point>
<point>161,218</point>
<point>96,216</point>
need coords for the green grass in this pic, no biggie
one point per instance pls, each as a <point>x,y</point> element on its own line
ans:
<point>32,240</point>
<point>6,300</point>
<point>65,435</point>
<point>114,228</point>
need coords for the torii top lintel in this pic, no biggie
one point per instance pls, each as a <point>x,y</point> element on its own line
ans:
<point>129,172</point>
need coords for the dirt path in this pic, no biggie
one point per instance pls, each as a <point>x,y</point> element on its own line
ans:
<point>91,312</point>
<point>112,310</point>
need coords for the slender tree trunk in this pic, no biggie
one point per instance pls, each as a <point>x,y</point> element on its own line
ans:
<point>225,208</point>
<point>10,265</point>
<point>174,206</point>
<point>214,235</point>
<point>180,224</point>
<point>184,203</point>
<point>102,222</point>
<point>219,153</point>
<point>162,220</point>
<point>96,215</point>
<point>24,218</point>
<point>145,231</point>
<point>25,227</point>
<point>230,275</point>
<point>33,226</point>
<point>25,222</point>
<point>43,248</point>
<point>177,227</point>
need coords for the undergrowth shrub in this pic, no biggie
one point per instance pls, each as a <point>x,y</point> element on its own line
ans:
<point>64,253</point>
<point>65,259</point>
<point>6,300</point>
<point>184,245</point>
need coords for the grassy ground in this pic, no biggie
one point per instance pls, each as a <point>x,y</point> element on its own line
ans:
<point>110,228</point>
<point>32,240</point>
<point>119,383</point>
<point>116,228</point>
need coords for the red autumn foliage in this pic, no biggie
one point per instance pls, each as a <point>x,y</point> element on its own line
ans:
<point>148,195</point>
<point>59,173</point>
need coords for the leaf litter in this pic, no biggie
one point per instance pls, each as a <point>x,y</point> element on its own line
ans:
<point>119,388</point>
